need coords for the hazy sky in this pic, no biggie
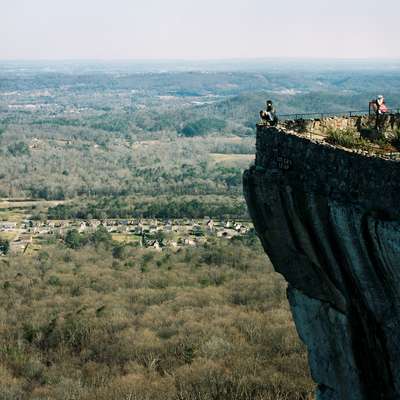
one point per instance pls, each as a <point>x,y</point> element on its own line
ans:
<point>202,29</point>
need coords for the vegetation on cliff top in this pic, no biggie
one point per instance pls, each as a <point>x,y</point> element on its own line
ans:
<point>348,138</point>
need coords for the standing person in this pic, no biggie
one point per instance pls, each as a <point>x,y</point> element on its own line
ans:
<point>380,111</point>
<point>381,105</point>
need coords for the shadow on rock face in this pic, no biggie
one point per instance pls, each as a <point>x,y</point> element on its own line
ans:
<point>329,220</point>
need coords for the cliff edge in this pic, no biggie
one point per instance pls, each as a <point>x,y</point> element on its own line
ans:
<point>329,220</point>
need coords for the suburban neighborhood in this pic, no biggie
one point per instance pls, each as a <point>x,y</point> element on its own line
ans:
<point>28,234</point>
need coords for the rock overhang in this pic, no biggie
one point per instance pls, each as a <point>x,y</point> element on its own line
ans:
<point>329,220</point>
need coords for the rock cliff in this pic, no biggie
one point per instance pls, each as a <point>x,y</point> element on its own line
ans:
<point>329,220</point>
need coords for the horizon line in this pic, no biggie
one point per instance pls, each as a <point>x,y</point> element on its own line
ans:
<point>224,59</point>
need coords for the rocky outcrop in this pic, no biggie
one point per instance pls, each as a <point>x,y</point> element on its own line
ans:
<point>365,125</point>
<point>329,220</point>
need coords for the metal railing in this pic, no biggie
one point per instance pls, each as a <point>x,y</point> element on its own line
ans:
<point>320,115</point>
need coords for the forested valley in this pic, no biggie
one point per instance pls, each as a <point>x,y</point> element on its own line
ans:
<point>138,275</point>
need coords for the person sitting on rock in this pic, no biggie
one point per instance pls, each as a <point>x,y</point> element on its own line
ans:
<point>268,116</point>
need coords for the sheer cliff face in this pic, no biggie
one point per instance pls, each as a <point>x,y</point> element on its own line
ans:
<point>329,221</point>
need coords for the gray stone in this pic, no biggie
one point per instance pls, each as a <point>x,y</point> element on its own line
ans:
<point>364,126</point>
<point>329,220</point>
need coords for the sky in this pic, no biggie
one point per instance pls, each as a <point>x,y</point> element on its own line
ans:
<point>202,29</point>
